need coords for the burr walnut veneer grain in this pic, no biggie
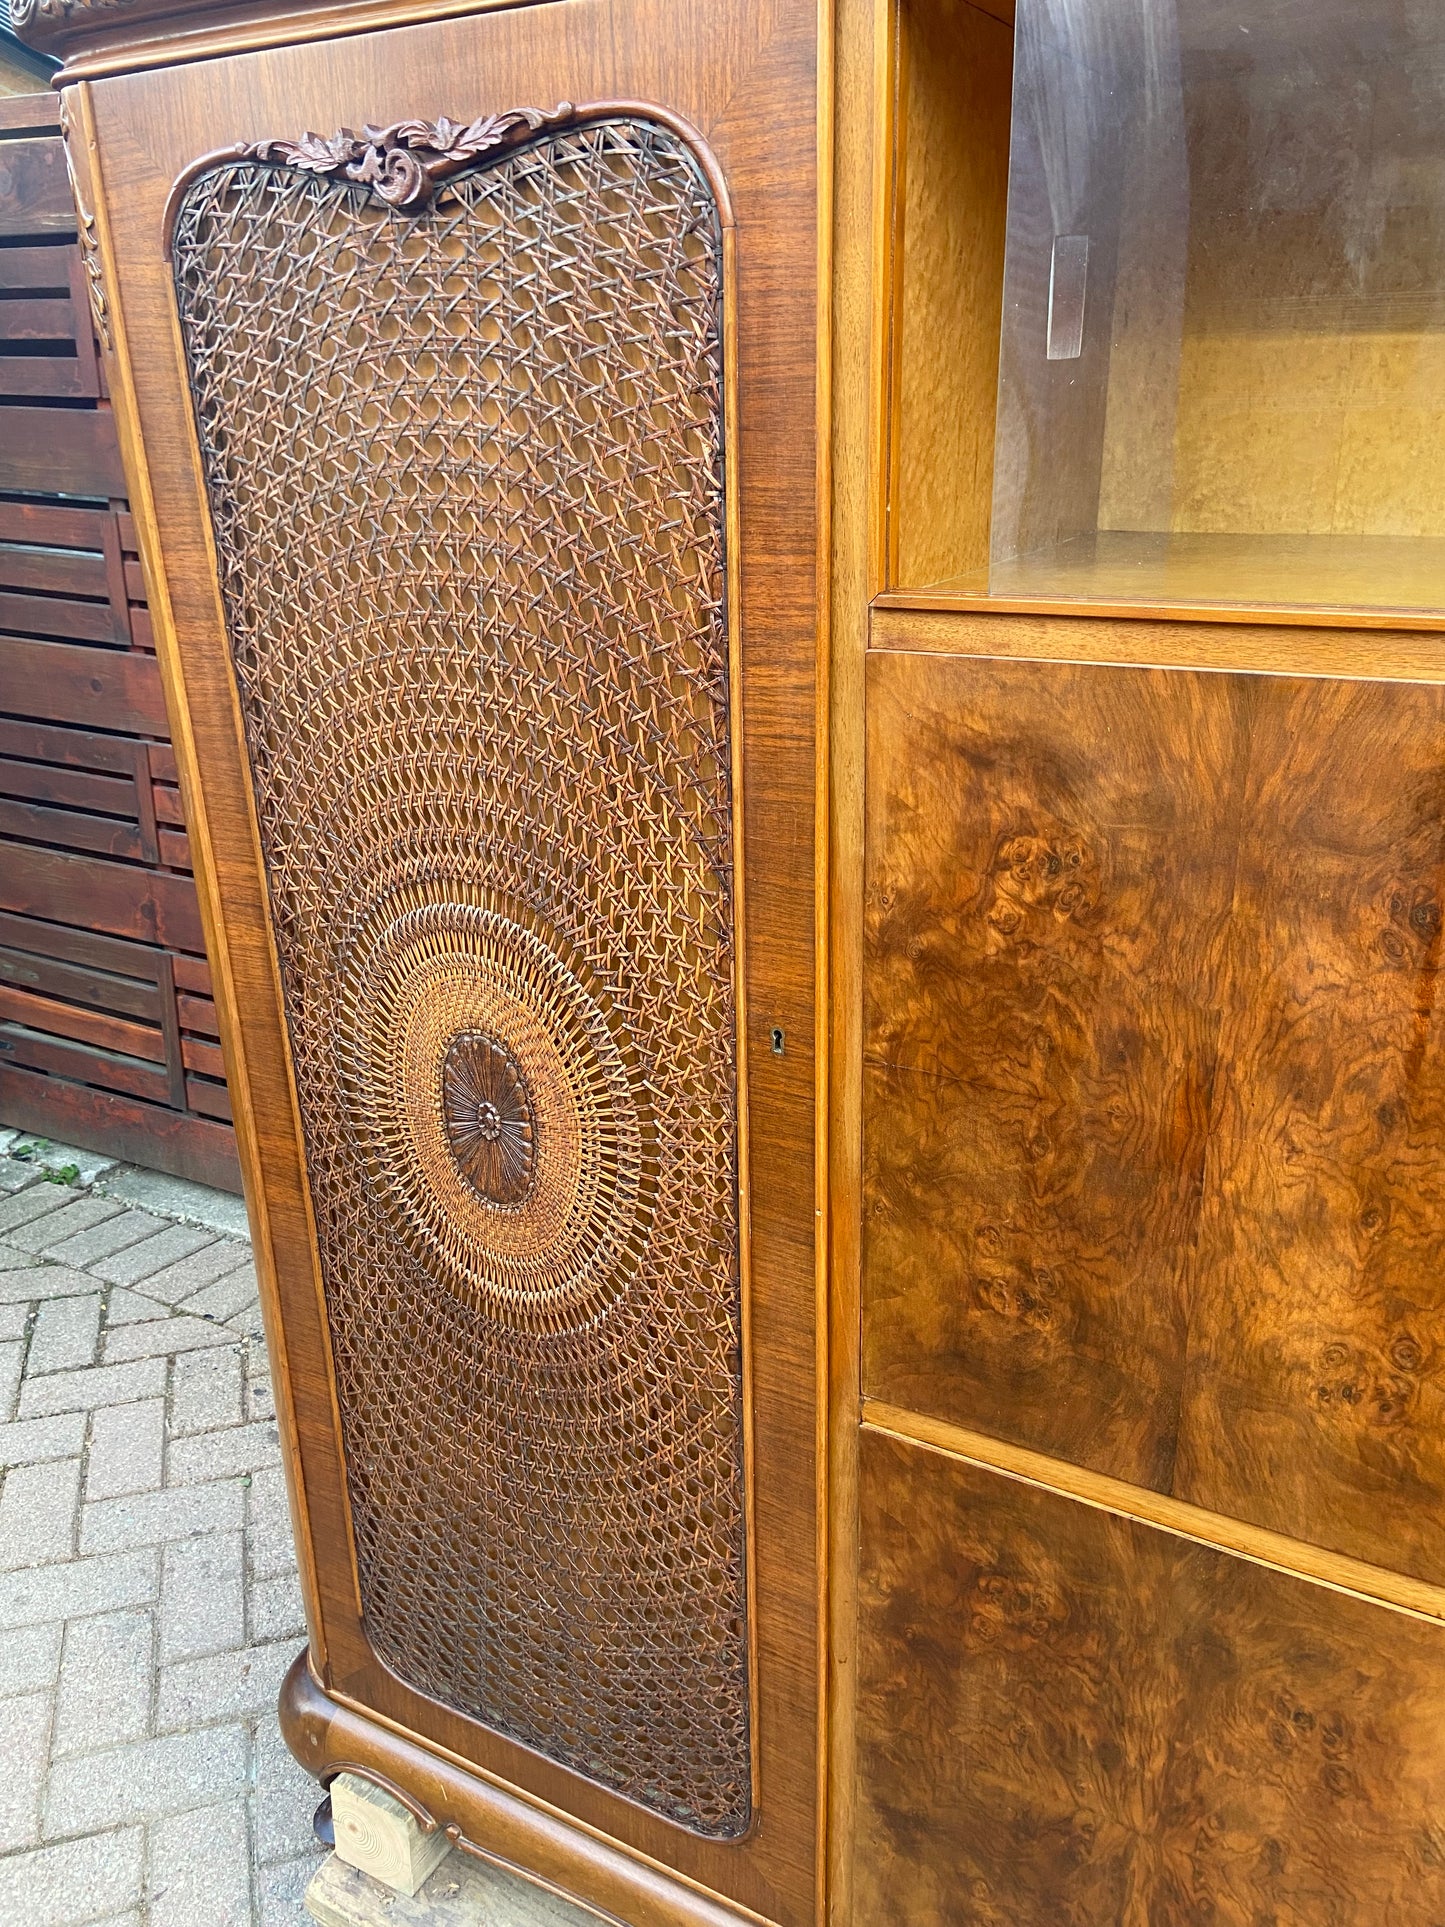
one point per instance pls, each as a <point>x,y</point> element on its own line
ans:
<point>1075,1719</point>
<point>1154,1081</point>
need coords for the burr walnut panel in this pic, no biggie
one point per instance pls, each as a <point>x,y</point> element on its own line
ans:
<point>462,424</point>
<point>1154,1085</point>
<point>1069,1719</point>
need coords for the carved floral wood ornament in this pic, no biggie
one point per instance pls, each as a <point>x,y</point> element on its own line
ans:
<point>403,164</point>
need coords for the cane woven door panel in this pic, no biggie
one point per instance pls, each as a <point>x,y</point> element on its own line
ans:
<point>465,463</point>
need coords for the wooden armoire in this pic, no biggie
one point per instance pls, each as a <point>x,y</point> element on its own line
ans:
<point>807,645</point>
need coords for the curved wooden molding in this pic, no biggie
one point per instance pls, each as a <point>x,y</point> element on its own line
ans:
<point>490,1821</point>
<point>404,164</point>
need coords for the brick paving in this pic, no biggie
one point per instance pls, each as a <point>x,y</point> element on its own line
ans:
<point>148,1596</point>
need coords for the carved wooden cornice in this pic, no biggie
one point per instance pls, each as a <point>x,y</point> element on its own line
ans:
<point>49,25</point>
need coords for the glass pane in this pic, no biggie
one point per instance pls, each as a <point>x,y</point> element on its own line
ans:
<point>1223,353</point>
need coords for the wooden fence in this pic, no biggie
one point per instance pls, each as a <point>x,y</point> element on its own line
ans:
<point>107,1028</point>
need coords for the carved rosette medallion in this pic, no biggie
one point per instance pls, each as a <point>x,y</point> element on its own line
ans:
<point>489,1120</point>
<point>459,392</point>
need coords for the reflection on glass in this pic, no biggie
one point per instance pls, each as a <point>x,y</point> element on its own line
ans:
<point>1223,352</point>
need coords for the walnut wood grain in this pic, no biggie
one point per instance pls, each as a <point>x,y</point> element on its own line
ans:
<point>1154,1082</point>
<point>1072,1720</point>
<point>1315,1393</point>
<point>1044,892</point>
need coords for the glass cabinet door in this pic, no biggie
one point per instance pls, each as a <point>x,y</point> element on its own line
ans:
<point>1223,349</point>
<point>1222,343</point>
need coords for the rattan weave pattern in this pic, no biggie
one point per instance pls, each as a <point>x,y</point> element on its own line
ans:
<point>466,476</point>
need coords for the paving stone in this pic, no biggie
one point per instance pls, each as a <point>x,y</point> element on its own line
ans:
<point>28,1206</point>
<point>126,1307</point>
<point>219,1455</point>
<point>28,1441</point>
<point>260,1399</point>
<point>174,1774</point>
<point>275,1608</point>
<point>138,1261</point>
<point>12,1359</point>
<point>79,1587</point>
<point>46,1154</point>
<point>65,1335</point>
<point>283,1891</point>
<point>13,1320</point>
<point>76,1880</point>
<point>24,1736</point>
<point>183,1280</point>
<point>226,1297</point>
<point>97,1385</point>
<point>200,1869</point>
<point>33,1281</point>
<point>37,1513</point>
<point>179,1198</point>
<point>29,1662</point>
<point>163,1338</point>
<point>202,1596</point>
<point>286,1797</point>
<point>127,1449</point>
<point>246,1683</point>
<point>47,1228</point>
<point>106,1677</point>
<point>115,1233</point>
<point>149,1518</point>
<point>13,1260</point>
<point>15,1176</point>
<point>205,1391</point>
<point>268,1525</point>
<point>250,1322</point>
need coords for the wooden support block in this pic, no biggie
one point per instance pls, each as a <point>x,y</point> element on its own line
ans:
<point>461,1893</point>
<point>376,1834</point>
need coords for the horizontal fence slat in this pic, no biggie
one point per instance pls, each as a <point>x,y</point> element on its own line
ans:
<point>57,616</point>
<point>90,948</point>
<point>111,897</point>
<point>34,188</point>
<point>36,113</point>
<point>211,1100</point>
<point>37,268</point>
<point>106,1032</point>
<point>199,1056</point>
<point>73,789</point>
<point>56,570</point>
<point>39,318</point>
<point>32,377</point>
<point>197,1013</point>
<point>122,1127</point>
<point>51,526</point>
<point>102,990</point>
<point>59,451</point>
<point>57,682</point>
<point>193,973</point>
<point>71,829</point>
<point>41,742</point>
<point>41,1051</point>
